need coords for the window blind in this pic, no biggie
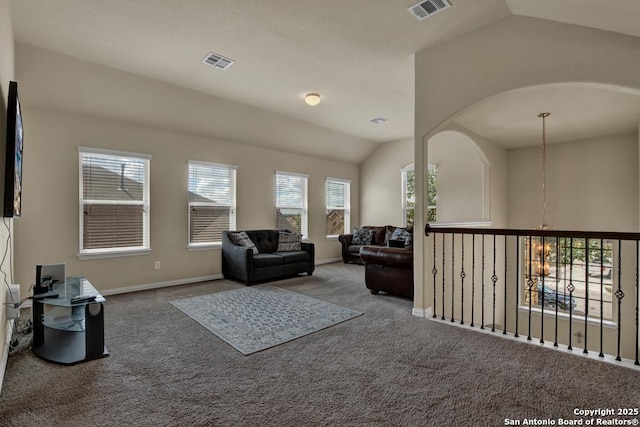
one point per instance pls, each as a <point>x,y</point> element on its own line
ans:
<point>114,201</point>
<point>291,202</point>
<point>211,201</point>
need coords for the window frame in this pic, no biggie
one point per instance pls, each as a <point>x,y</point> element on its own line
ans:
<point>304,226</point>
<point>403,191</point>
<point>145,248</point>
<point>233,210</point>
<point>347,204</point>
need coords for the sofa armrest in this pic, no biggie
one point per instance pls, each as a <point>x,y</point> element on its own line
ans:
<point>389,257</point>
<point>237,261</point>
<point>310,248</point>
<point>345,241</point>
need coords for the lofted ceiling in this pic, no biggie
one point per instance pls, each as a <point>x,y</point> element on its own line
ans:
<point>357,54</point>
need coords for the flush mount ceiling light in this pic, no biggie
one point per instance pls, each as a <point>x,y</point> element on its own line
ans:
<point>379,120</point>
<point>312,98</point>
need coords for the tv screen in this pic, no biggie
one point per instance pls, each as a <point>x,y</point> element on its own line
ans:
<point>13,160</point>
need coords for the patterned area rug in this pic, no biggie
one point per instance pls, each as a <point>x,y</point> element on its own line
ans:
<point>255,318</point>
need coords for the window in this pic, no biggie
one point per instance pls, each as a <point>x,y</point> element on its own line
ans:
<point>212,202</point>
<point>114,202</point>
<point>409,194</point>
<point>291,202</point>
<point>338,206</point>
<point>571,275</point>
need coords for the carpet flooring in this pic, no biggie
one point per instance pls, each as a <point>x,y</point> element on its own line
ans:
<point>384,368</point>
<point>255,318</point>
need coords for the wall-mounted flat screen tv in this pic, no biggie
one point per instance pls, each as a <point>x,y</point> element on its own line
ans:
<point>13,159</point>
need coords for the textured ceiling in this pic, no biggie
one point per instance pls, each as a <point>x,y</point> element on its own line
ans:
<point>358,54</point>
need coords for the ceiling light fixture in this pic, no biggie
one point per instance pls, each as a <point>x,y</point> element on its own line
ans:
<point>379,120</point>
<point>312,98</point>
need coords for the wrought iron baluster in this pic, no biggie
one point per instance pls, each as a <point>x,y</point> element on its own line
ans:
<point>473,276</point>
<point>637,362</point>
<point>443,270</point>
<point>555,339</point>
<point>504,329</point>
<point>462,276</point>
<point>517,296</point>
<point>586,292</point>
<point>601,298</point>
<point>453,276</point>
<point>619,294</point>
<point>435,272</point>
<point>494,279</point>
<point>542,255</point>
<point>571,289</point>
<point>530,285</point>
<point>482,306</point>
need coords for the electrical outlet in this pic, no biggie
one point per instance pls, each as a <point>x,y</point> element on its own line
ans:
<point>158,265</point>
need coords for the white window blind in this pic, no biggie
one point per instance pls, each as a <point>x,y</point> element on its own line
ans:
<point>291,202</point>
<point>114,201</point>
<point>338,206</point>
<point>212,202</point>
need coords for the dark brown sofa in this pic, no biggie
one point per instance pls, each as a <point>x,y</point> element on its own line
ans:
<point>381,236</point>
<point>388,270</point>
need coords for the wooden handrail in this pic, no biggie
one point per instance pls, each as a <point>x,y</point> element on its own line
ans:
<point>606,235</point>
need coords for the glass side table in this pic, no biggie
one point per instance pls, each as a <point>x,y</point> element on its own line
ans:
<point>68,332</point>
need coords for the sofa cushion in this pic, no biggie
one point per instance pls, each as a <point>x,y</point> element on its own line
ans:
<point>295,256</point>
<point>266,240</point>
<point>378,235</point>
<point>267,260</point>
<point>288,242</point>
<point>362,236</point>
<point>242,239</point>
<point>354,249</point>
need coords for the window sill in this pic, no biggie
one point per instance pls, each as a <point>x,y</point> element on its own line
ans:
<point>113,254</point>
<point>332,238</point>
<point>206,247</point>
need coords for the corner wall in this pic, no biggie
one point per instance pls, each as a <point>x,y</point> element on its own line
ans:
<point>381,188</point>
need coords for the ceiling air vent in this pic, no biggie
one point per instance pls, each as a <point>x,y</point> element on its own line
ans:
<point>425,9</point>
<point>218,61</point>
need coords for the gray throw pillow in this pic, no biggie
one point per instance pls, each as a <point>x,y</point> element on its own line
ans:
<point>362,237</point>
<point>242,239</point>
<point>289,242</point>
<point>400,234</point>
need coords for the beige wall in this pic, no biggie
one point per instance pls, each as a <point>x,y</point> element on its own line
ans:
<point>381,189</point>
<point>6,74</point>
<point>513,53</point>
<point>590,185</point>
<point>48,229</point>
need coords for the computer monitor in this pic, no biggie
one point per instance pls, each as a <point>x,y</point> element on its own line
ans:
<point>48,275</point>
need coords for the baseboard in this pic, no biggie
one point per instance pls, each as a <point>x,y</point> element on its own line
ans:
<point>157,285</point>
<point>328,261</point>
<point>422,312</point>
<point>5,352</point>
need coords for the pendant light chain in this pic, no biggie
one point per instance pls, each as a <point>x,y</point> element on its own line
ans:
<point>544,169</point>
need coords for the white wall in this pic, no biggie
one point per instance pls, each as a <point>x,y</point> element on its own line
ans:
<point>6,74</point>
<point>381,188</point>
<point>48,230</point>
<point>460,183</point>
<point>590,185</point>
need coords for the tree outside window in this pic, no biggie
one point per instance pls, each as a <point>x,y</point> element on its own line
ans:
<point>409,194</point>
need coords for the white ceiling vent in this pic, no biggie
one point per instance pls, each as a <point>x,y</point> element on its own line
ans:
<point>424,9</point>
<point>218,61</point>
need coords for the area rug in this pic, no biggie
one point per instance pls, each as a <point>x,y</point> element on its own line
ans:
<point>256,318</point>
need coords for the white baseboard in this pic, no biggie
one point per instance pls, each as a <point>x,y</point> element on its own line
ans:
<point>422,312</point>
<point>5,351</point>
<point>157,285</point>
<point>328,261</point>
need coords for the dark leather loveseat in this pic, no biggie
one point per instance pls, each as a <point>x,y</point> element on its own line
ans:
<point>240,263</point>
<point>381,236</point>
<point>388,270</point>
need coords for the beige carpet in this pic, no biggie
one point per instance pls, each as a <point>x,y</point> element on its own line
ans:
<point>385,368</point>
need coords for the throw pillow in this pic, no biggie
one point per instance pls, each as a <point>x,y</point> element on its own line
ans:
<point>243,239</point>
<point>408,244</point>
<point>400,234</point>
<point>289,242</point>
<point>362,237</point>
